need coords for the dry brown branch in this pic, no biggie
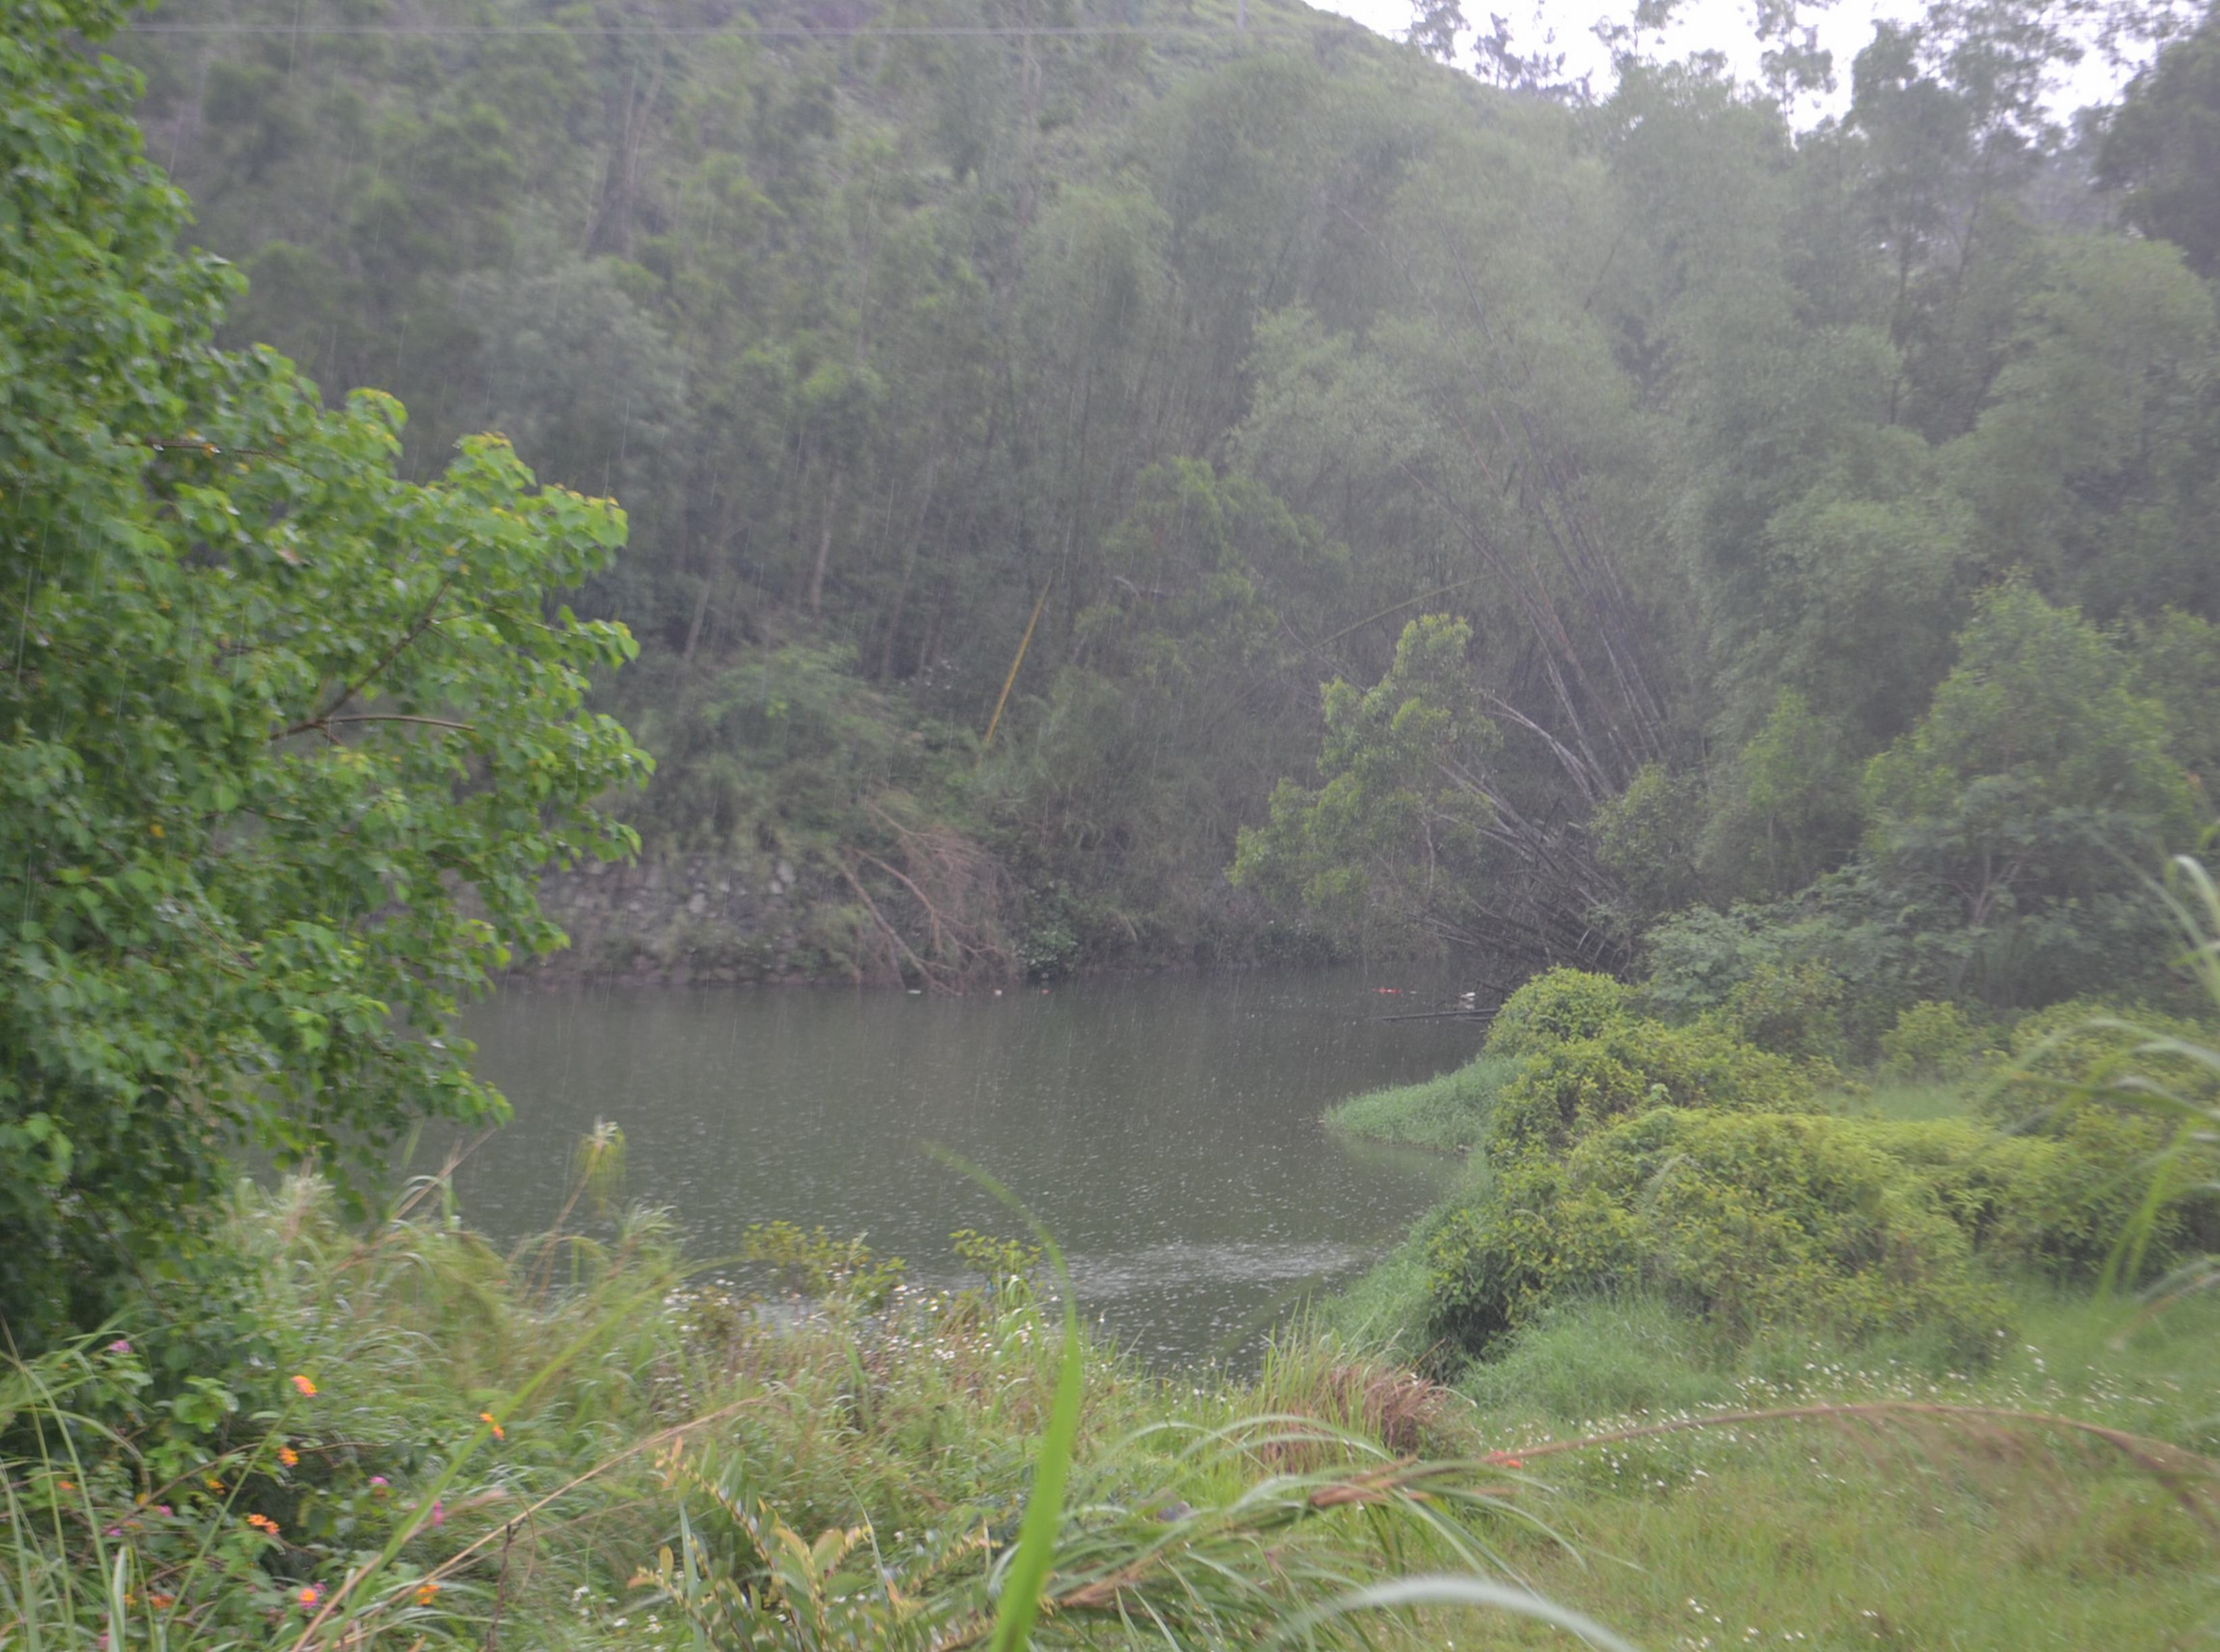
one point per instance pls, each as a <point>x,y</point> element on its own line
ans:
<point>962,894</point>
<point>892,935</point>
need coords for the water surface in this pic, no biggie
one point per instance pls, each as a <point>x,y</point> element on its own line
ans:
<point>1166,1127</point>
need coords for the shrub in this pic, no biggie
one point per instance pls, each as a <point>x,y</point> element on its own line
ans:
<point>1646,838</point>
<point>1557,1007</point>
<point>2058,1204</point>
<point>1886,944</point>
<point>2062,1058</point>
<point>1934,1042</point>
<point>1792,1009</point>
<point>813,1263</point>
<point>1568,1091</point>
<point>2070,1042</point>
<point>1748,1220</point>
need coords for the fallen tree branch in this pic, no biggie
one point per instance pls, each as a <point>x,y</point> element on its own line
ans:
<point>924,969</point>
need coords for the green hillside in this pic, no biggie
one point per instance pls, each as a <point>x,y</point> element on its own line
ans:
<point>1720,445</point>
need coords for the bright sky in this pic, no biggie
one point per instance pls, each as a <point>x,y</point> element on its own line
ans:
<point>1724,25</point>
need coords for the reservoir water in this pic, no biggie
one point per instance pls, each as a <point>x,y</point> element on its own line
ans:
<point>1164,1127</point>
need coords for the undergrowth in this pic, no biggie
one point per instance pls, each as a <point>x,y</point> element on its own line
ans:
<point>573,1445</point>
<point>440,1444</point>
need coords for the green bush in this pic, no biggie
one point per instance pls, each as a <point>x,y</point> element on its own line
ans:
<point>1853,1227</point>
<point>2058,1052</point>
<point>1792,1009</point>
<point>1749,1221</point>
<point>1557,1007</point>
<point>1934,1042</point>
<point>2070,1042</point>
<point>2057,1204</point>
<point>1566,1092</point>
<point>813,1263</point>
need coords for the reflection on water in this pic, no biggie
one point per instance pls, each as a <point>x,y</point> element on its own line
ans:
<point>1166,1128</point>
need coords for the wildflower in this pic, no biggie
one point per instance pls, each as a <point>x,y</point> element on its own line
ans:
<point>377,1484</point>
<point>211,1482</point>
<point>161,1602</point>
<point>289,1456</point>
<point>425,1591</point>
<point>439,1514</point>
<point>309,1595</point>
<point>1513,1463</point>
<point>308,1388</point>
<point>120,1345</point>
<point>486,1416</point>
<point>263,1523</point>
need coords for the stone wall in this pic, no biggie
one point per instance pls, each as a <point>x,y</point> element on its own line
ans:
<point>697,918</point>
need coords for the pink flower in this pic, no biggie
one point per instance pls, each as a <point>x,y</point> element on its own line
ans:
<point>120,1345</point>
<point>439,1514</point>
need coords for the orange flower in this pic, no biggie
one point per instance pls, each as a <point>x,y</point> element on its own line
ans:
<point>289,1456</point>
<point>425,1592</point>
<point>308,1388</point>
<point>161,1602</point>
<point>1513,1463</point>
<point>309,1595</point>
<point>486,1416</point>
<point>263,1523</point>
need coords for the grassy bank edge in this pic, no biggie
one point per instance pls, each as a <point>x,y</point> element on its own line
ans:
<point>1447,1113</point>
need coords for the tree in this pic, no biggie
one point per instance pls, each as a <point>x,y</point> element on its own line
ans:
<point>2033,791</point>
<point>1435,26</point>
<point>2162,147</point>
<point>1389,843</point>
<point>2091,466</point>
<point>287,739</point>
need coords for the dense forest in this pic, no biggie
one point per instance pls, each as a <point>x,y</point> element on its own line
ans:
<point>1711,526</point>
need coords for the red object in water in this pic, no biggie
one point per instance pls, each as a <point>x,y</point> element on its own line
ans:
<point>1386,989</point>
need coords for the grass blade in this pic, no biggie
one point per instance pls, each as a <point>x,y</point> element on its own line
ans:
<point>1452,1592</point>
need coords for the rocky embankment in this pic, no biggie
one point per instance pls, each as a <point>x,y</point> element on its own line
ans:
<point>694,919</point>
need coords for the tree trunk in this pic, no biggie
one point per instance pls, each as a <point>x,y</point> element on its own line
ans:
<point>824,548</point>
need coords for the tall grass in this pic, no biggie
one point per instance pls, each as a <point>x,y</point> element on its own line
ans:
<point>446,1445</point>
<point>2163,1072</point>
<point>1448,1113</point>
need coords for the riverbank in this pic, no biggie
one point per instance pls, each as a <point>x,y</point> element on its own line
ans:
<point>760,919</point>
<point>1447,1113</point>
<point>569,1442</point>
